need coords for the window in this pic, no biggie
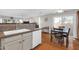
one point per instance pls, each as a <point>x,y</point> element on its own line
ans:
<point>57,20</point>
<point>68,19</point>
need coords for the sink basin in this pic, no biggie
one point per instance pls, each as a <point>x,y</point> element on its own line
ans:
<point>15,31</point>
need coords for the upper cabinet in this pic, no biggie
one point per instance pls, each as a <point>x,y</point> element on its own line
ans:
<point>8,21</point>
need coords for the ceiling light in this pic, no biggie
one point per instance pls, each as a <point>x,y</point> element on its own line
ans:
<point>60,11</point>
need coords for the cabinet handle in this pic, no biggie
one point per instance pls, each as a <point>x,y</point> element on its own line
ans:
<point>3,47</point>
<point>23,40</point>
<point>0,48</point>
<point>19,41</point>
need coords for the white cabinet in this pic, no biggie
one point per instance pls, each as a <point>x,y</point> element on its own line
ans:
<point>17,42</point>
<point>36,38</point>
<point>12,43</point>
<point>27,44</point>
<point>24,41</point>
<point>27,41</point>
<point>15,45</point>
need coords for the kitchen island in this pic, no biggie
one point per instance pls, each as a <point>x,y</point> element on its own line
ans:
<point>21,39</point>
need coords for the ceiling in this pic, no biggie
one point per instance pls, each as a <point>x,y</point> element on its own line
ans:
<point>27,12</point>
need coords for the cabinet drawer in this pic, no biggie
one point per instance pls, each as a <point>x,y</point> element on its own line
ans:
<point>26,38</point>
<point>27,34</point>
<point>14,45</point>
<point>12,38</point>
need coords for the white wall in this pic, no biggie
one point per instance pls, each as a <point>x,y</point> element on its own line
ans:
<point>45,22</point>
<point>34,19</point>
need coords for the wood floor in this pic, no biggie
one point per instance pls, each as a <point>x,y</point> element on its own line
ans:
<point>47,45</point>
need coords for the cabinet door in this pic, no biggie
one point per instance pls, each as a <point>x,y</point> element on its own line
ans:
<point>36,38</point>
<point>15,45</point>
<point>27,43</point>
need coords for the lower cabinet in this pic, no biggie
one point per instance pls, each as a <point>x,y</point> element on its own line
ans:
<point>19,42</point>
<point>25,41</point>
<point>15,45</point>
<point>27,44</point>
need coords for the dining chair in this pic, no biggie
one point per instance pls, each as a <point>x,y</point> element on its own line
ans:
<point>56,35</point>
<point>60,35</point>
<point>66,35</point>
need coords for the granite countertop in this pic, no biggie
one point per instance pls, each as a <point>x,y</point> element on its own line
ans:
<point>2,35</point>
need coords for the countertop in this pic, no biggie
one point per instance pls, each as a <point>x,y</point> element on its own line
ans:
<point>5,36</point>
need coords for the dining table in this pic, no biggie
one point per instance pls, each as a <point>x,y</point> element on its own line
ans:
<point>61,31</point>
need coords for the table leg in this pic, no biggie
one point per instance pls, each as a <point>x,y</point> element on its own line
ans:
<point>67,42</point>
<point>51,36</point>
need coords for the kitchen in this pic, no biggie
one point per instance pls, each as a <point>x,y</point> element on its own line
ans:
<point>22,29</point>
<point>18,32</point>
<point>19,36</point>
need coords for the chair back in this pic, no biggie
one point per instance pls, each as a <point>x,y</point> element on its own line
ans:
<point>68,32</point>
